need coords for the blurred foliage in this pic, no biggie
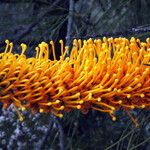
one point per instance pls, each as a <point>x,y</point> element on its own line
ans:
<point>33,21</point>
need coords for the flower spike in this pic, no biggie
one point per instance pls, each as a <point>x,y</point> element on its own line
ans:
<point>105,75</point>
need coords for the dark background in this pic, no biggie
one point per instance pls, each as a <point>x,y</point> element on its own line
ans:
<point>34,21</point>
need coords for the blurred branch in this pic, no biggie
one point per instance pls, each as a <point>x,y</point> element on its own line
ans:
<point>61,132</point>
<point>119,5</point>
<point>83,19</point>
<point>44,140</point>
<point>61,136</point>
<point>128,32</point>
<point>31,26</point>
<point>102,6</point>
<point>57,121</point>
<point>26,1</point>
<point>70,22</point>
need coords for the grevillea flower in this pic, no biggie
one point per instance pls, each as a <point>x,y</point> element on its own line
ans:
<point>104,75</point>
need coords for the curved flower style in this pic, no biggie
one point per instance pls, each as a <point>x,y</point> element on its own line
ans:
<point>103,75</point>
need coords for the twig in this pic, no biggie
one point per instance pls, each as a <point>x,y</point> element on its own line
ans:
<point>146,140</point>
<point>114,144</point>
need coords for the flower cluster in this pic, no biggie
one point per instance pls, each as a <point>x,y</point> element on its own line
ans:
<point>103,75</point>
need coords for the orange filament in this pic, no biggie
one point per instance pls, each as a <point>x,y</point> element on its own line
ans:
<point>104,75</point>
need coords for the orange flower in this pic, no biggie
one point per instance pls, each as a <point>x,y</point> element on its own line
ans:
<point>103,75</point>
